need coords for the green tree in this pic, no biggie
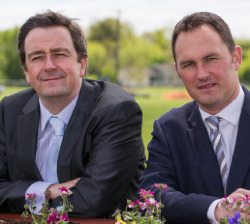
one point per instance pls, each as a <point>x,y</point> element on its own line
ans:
<point>10,66</point>
<point>97,58</point>
<point>161,38</point>
<point>110,33</point>
<point>139,54</point>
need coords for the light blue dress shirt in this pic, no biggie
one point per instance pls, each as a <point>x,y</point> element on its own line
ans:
<point>45,132</point>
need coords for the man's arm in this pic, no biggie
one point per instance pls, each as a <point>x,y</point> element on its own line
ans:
<point>115,160</point>
<point>11,191</point>
<point>179,207</point>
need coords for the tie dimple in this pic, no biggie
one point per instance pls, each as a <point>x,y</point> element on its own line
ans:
<point>58,125</point>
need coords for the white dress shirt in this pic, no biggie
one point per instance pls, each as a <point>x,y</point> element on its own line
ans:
<point>228,128</point>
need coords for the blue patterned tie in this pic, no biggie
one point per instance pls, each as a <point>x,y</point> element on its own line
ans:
<point>216,139</point>
<point>56,140</point>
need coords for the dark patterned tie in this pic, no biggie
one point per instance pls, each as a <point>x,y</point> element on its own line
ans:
<point>216,139</point>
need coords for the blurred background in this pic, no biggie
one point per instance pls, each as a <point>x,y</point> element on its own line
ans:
<point>128,43</point>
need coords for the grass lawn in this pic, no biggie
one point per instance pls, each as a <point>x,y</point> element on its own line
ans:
<point>154,102</point>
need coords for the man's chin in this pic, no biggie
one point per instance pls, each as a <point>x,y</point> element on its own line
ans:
<point>53,94</point>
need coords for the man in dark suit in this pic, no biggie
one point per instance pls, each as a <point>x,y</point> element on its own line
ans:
<point>101,156</point>
<point>203,160</point>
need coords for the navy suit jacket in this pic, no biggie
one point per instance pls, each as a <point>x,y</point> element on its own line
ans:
<point>181,155</point>
<point>102,145</point>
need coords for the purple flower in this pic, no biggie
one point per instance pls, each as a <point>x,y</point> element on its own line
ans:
<point>235,219</point>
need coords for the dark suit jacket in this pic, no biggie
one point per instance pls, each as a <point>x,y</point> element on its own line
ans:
<point>181,155</point>
<point>102,145</point>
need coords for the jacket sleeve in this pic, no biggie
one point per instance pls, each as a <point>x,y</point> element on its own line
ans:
<point>12,192</point>
<point>179,207</point>
<point>115,161</point>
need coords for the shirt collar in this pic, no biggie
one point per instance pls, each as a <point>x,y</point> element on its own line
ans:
<point>234,108</point>
<point>64,115</point>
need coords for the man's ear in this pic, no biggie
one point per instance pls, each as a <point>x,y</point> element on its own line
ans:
<point>27,77</point>
<point>176,69</point>
<point>237,57</point>
<point>84,65</point>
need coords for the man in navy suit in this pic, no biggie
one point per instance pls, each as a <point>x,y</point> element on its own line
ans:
<point>101,155</point>
<point>181,153</point>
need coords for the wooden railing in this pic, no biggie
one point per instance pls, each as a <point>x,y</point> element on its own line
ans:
<point>17,217</point>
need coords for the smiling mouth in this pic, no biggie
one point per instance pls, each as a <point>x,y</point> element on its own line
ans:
<point>51,79</point>
<point>207,86</point>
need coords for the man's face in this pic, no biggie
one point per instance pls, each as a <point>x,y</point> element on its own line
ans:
<point>207,68</point>
<point>52,66</point>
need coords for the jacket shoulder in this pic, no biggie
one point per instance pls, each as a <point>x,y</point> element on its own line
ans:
<point>179,114</point>
<point>110,93</point>
<point>19,98</point>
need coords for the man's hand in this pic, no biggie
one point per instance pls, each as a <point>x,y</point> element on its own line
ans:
<point>52,191</point>
<point>221,212</point>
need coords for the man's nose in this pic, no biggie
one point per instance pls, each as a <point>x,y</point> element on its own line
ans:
<point>202,72</point>
<point>49,63</point>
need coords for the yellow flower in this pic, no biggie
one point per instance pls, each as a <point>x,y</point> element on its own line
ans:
<point>119,220</point>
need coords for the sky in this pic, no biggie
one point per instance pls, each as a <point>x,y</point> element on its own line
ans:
<point>143,15</point>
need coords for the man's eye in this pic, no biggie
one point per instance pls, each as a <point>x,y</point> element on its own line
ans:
<point>60,55</point>
<point>36,58</point>
<point>187,65</point>
<point>211,58</point>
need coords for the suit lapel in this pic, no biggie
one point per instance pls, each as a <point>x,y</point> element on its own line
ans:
<point>75,133</point>
<point>240,162</point>
<point>204,153</point>
<point>26,138</point>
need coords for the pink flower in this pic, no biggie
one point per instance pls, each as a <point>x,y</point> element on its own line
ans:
<point>142,205</point>
<point>64,191</point>
<point>52,217</point>
<point>146,194</point>
<point>162,187</point>
<point>150,201</point>
<point>64,217</point>
<point>30,196</point>
<point>132,204</point>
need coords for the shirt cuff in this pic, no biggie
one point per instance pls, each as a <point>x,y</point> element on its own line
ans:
<point>39,189</point>
<point>211,210</point>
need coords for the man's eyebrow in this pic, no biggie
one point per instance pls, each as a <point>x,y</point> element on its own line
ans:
<point>55,50</point>
<point>210,55</point>
<point>34,53</point>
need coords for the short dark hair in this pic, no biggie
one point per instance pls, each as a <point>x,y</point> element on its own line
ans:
<point>195,20</point>
<point>50,19</point>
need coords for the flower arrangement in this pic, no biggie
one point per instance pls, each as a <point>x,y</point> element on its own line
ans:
<point>144,210</point>
<point>48,215</point>
<point>236,205</point>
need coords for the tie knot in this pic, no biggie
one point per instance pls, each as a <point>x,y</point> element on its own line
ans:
<point>58,125</point>
<point>213,122</point>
